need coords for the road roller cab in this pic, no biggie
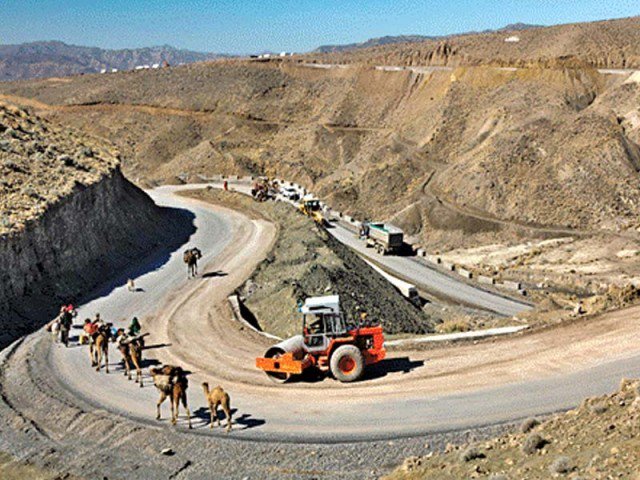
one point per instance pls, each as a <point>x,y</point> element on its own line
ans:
<point>327,342</point>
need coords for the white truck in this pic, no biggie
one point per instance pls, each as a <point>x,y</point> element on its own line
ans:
<point>384,238</point>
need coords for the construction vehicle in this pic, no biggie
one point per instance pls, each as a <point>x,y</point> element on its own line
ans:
<point>311,208</point>
<point>263,189</point>
<point>384,238</point>
<point>326,343</point>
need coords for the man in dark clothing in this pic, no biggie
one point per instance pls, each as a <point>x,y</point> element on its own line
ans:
<point>66,320</point>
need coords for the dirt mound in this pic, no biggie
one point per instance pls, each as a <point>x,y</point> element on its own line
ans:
<point>598,440</point>
<point>41,163</point>
<point>306,261</point>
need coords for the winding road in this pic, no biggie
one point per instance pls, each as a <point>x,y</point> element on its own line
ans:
<point>414,393</point>
<point>450,388</point>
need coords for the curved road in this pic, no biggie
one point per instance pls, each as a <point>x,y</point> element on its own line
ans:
<point>422,275</point>
<point>412,393</point>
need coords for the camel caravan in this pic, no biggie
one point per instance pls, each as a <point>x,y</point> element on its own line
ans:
<point>171,381</point>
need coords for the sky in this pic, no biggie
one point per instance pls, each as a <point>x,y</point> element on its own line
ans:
<point>255,26</point>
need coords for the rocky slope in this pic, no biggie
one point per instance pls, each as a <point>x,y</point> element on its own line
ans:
<point>455,157</point>
<point>67,215</point>
<point>57,59</point>
<point>598,440</point>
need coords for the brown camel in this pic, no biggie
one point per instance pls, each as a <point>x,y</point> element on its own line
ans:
<point>172,382</point>
<point>131,350</point>
<point>217,397</point>
<point>101,348</point>
<point>191,257</point>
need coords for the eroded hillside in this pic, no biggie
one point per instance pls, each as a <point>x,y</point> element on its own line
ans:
<point>455,157</point>
<point>69,219</point>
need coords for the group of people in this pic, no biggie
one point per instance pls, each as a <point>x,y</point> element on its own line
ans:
<point>61,326</point>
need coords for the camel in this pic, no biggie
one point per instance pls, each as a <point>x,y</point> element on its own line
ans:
<point>100,349</point>
<point>172,382</point>
<point>217,397</point>
<point>131,350</point>
<point>191,258</point>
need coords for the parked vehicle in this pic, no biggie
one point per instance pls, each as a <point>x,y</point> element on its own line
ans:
<point>290,193</point>
<point>326,343</point>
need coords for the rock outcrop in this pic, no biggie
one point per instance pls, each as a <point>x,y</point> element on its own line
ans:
<point>70,220</point>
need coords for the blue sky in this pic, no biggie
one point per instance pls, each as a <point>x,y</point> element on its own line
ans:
<point>291,25</point>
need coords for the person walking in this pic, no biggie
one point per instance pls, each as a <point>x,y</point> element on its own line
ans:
<point>66,321</point>
<point>134,327</point>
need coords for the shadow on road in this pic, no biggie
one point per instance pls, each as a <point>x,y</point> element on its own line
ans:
<point>245,420</point>
<point>156,346</point>
<point>219,273</point>
<point>391,365</point>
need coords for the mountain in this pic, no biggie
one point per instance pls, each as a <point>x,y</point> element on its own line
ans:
<point>374,42</point>
<point>517,27</point>
<point>388,40</point>
<point>55,59</point>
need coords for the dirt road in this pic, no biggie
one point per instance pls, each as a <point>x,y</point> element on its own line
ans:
<point>413,393</point>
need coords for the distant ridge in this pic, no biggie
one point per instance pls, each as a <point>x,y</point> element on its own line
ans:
<point>54,59</point>
<point>388,40</point>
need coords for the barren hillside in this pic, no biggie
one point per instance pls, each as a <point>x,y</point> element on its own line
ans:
<point>606,44</point>
<point>68,219</point>
<point>455,157</point>
<point>598,440</point>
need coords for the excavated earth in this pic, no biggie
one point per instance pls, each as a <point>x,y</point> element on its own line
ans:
<point>305,261</point>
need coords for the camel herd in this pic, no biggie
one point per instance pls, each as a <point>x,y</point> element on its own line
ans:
<point>171,381</point>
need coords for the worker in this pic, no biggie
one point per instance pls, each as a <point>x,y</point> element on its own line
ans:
<point>134,327</point>
<point>225,186</point>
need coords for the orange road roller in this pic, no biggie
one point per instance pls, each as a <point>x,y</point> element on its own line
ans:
<point>326,343</point>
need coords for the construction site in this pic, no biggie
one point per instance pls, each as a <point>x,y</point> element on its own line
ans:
<point>409,261</point>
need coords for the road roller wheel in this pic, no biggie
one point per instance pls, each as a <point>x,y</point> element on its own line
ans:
<point>277,377</point>
<point>347,363</point>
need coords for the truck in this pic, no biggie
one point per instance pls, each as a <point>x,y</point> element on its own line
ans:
<point>327,343</point>
<point>385,238</point>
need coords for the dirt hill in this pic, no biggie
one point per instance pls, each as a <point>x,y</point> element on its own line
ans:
<point>394,39</point>
<point>606,44</point>
<point>454,157</point>
<point>598,440</point>
<point>305,261</point>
